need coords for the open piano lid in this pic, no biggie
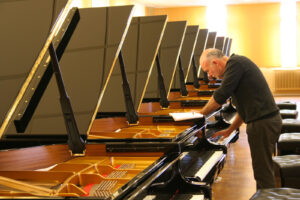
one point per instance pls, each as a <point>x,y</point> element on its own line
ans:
<point>168,57</point>
<point>228,47</point>
<point>25,28</point>
<point>225,46</point>
<point>220,43</point>
<point>139,50</point>
<point>210,43</point>
<point>200,45</point>
<point>91,47</point>
<point>186,53</point>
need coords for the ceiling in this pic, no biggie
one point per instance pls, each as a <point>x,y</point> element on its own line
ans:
<point>182,3</point>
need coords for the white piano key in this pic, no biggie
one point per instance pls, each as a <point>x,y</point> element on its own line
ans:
<point>209,164</point>
<point>149,197</point>
<point>197,197</point>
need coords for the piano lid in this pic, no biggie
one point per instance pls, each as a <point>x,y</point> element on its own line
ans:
<point>86,66</point>
<point>200,45</point>
<point>186,53</point>
<point>228,47</point>
<point>211,40</point>
<point>168,57</point>
<point>210,43</point>
<point>25,26</point>
<point>139,50</point>
<point>224,50</point>
<point>220,43</point>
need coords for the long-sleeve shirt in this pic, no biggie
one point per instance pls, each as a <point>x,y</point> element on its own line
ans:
<point>250,92</point>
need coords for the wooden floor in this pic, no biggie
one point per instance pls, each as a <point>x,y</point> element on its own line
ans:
<point>236,181</point>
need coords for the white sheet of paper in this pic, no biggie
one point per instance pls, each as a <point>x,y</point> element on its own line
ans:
<point>185,116</point>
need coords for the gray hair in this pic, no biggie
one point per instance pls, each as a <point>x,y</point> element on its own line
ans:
<point>214,53</point>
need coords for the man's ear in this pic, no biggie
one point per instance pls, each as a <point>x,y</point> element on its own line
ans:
<point>214,61</point>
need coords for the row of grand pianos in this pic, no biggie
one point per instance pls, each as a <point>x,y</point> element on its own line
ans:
<point>87,99</point>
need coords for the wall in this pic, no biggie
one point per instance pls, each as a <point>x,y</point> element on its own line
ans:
<point>194,15</point>
<point>255,28</point>
<point>139,9</point>
<point>298,33</point>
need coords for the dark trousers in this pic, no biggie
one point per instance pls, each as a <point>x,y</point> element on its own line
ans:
<point>262,136</point>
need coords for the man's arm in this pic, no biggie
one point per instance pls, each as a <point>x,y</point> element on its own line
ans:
<point>237,122</point>
<point>210,106</point>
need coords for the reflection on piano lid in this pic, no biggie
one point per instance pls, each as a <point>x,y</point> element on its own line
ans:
<point>85,67</point>
<point>21,44</point>
<point>168,57</point>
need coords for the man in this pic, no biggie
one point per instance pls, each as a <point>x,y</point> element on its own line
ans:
<point>244,82</point>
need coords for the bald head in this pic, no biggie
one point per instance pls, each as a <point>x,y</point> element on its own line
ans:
<point>213,61</point>
<point>208,54</point>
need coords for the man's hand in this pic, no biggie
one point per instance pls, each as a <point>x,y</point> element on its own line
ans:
<point>224,133</point>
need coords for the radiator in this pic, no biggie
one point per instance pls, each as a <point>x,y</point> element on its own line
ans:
<point>287,80</point>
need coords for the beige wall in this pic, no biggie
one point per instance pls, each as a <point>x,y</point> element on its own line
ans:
<point>194,15</point>
<point>298,33</point>
<point>139,9</point>
<point>119,2</point>
<point>255,28</point>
